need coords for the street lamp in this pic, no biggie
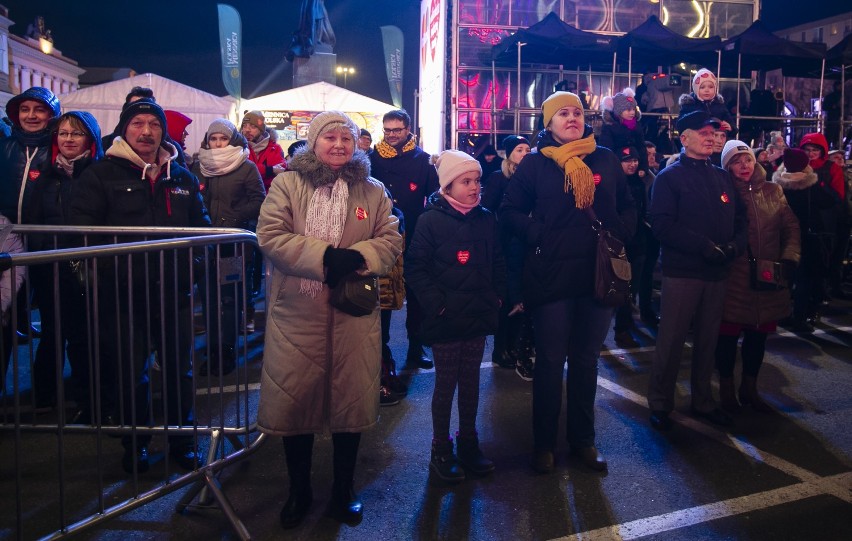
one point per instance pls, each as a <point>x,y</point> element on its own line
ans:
<point>345,70</point>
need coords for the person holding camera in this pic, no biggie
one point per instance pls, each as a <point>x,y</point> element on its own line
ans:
<point>754,304</point>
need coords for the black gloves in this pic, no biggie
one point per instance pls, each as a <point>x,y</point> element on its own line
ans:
<point>341,262</point>
<point>714,254</point>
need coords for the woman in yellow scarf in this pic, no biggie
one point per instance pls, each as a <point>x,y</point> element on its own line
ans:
<point>544,204</point>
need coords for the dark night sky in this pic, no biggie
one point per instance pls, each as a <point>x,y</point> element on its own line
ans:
<point>179,39</point>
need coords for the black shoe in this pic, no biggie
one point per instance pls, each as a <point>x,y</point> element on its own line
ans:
<point>525,369</point>
<point>801,326</point>
<point>395,385</point>
<point>591,457</point>
<point>186,456</point>
<point>624,338</point>
<point>542,461</point>
<point>660,420</point>
<point>345,506</point>
<point>211,366</point>
<point>297,508</point>
<point>141,456</point>
<point>417,357</point>
<point>503,359</point>
<point>715,416</point>
<point>386,397</point>
<point>649,318</point>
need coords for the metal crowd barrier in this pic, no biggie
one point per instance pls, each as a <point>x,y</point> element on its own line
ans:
<point>131,305</point>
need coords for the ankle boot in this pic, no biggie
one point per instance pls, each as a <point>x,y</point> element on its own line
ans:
<point>297,452</point>
<point>749,395</point>
<point>727,397</point>
<point>444,463</point>
<point>471,457</point>
<point>416,356</point>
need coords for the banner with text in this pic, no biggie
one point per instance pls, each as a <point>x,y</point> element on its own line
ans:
<point>394,47</point>
<point>230,45</point>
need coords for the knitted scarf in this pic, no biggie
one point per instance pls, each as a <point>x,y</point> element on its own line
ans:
<point>68,165</point>
<point>325,220</point>
<point>578,176</point>
<point>387,151</point>
<point>261,145</point>
<point>221,161</point>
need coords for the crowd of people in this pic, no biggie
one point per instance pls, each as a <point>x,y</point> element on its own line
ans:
<point>747,239</point>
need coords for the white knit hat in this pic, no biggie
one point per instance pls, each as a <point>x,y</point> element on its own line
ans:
<point>732,148</point>
<point>452,164</point>
<point>329,120</point>
<point>702,75</point>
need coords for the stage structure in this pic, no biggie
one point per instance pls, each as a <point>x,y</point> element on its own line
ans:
<point>465,99</point>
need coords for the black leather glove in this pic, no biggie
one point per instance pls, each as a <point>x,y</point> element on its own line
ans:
<point>714,254</point>
<point>340,262</point>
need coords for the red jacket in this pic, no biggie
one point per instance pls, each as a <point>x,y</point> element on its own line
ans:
<point>271,155</point>
<point>838,182</point>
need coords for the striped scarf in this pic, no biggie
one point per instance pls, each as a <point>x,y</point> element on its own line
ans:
<point>325,221</point>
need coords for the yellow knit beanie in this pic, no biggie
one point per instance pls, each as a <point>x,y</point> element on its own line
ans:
<point>557,101</point>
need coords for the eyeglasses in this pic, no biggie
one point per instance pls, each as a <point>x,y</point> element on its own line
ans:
<point>394,131</point>
<point>70,135</point>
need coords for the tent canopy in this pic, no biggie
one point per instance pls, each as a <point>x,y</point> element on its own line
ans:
<point>552,41</point>
<point>319,96</point>
<point>653,42</point>
<point>840,54</point>
<point>104,101</point>
<point>763,51</point>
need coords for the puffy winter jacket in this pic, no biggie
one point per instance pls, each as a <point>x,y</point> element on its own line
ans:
<point>456,269</point>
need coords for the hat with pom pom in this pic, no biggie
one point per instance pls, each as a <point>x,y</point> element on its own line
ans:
<point>624,101</point>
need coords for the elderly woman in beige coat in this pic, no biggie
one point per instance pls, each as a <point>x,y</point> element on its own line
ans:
<point>325,218</point>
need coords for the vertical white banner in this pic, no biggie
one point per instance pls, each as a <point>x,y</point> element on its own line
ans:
<point>433,73</point>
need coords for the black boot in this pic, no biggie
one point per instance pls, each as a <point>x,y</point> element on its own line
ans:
<point>416,356</point>
<point>471,457</point>
<point>345,505</point>
<point>444,463</point>
<point>298,451</point>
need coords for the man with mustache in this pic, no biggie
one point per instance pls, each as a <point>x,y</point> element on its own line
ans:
<point>138,183</point>
<point>701,224</point>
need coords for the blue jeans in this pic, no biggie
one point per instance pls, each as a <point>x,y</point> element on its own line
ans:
<point>572,330</point>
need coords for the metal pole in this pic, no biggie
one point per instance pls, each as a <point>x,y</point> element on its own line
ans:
<point>820,121</point>
<point>518,97</point>
<point>493,103</point>
<point>739,75</point>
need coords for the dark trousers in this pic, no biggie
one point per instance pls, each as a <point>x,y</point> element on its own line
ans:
<point>753,350</point>
<point>68,315</point>
<point>624,313</point>
<point>226,293</point>
<point>298,452</point>
<point>645,287</point>
<point>686,301</point>
<point>838,254</point>
<point>571,330</point>
<point>127,340</point>
<point>456,365</point>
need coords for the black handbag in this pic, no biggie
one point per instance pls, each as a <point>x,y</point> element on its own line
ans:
<point>356,295</point>
<point>612,269</point>
<point>765,274</point>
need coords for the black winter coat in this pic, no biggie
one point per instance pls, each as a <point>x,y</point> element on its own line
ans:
<point>456,269</point>
<point>111,192</point>
<point>615,136</point>
<point>559,239</point>
<point>410,177</point>
<point>694,205</point>
<point>233,199</point>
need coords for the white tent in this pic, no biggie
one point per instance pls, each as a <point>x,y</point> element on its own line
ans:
<point>104,101</point>
<point>287,108</point>
<point>319,96</point>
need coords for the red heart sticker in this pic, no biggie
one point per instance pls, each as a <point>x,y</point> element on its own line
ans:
<point>34,174</point>
<point>360,213</point>
<point>597,178</point>
<point>202,186</point>
<point>463,256</point>
<point>767,275</point>
<point>412,186</point>
<point>725,198</point>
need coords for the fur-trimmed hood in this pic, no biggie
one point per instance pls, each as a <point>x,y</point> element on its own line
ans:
<point>691,99</point>
<point>307,163</point>
<point>794,181</point>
